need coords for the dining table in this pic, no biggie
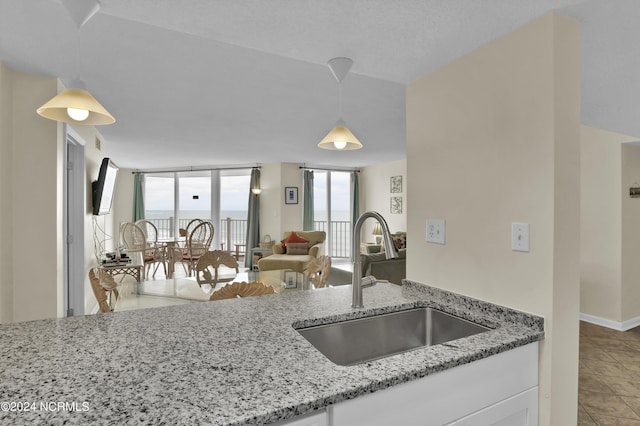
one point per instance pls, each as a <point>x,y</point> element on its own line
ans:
<point>281,281</point>
<point>172,248</point>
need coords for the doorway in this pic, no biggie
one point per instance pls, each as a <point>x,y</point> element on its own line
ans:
<point>74,214</point>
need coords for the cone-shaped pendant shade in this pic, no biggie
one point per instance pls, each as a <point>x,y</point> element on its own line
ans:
<point>77,99</point>
<point>340,138</point>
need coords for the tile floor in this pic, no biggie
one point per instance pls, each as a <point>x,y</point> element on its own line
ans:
<point>609,376</point>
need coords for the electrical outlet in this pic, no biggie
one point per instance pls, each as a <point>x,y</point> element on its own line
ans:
<point>435,231</point>
<point>520,237</point>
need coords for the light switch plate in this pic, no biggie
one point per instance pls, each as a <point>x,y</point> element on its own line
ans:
<point>436,231</point>
<point>520,237</point>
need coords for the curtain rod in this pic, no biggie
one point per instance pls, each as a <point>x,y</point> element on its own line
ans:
<point>196,169</point>
<point>334,169</point>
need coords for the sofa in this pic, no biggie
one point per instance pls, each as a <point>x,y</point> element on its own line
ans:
<point>295,251</point>
<point>392,270</point>
<point>376,264</point>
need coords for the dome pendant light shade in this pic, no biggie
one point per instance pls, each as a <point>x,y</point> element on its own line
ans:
<point>76,106</point>
<point>340,138</point>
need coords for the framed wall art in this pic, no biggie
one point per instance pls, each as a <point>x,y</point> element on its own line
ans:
<point>290,279</point>
<point>291,195</point>
<point>396,205</point>
<point>396,184</point>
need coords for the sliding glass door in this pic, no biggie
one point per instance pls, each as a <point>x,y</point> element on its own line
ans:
<point>159,202</point>
<point>332,206</point>
<point>173,199</point>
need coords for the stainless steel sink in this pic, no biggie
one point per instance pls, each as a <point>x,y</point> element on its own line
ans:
<point>365,339</point>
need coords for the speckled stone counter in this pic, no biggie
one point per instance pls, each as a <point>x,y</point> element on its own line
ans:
<point>230,362</point>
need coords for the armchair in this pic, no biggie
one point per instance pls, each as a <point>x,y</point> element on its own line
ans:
<point>297,250</point>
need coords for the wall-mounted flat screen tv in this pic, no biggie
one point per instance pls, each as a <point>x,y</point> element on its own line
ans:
<point>104,187</point>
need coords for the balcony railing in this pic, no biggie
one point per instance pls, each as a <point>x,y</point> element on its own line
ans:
<point>338,242</point>
<point>230,231</point>
<point>233,232</point>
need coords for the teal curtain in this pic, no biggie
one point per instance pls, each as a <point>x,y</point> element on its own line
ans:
<point>253,219</point>
<point>138,197</point>
<point>355,198</point>
<point>307,202</point>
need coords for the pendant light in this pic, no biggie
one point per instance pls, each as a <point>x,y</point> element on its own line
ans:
<point>76,105</point>
<point>340,137</point>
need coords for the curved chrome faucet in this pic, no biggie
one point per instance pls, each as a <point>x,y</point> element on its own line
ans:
<point>389,249</point>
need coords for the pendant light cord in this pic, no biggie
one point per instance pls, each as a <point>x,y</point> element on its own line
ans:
<point>340,99</point>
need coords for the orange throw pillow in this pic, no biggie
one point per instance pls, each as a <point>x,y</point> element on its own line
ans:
<point>293,238</point>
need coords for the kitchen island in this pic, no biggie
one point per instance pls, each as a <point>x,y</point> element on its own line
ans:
<point>229,362</point>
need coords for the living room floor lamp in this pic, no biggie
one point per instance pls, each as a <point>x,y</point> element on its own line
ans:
<point>76,105</point>
<point>340,137</point>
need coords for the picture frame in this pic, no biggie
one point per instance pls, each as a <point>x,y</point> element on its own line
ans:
<point>291,195</point>
<point>395,183</point>
<point>290,279</point>
<point>396,205</point>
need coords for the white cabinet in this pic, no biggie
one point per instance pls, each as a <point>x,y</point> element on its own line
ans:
<point>519,410</point>
<point>318,418</point>
<point>500,389</point>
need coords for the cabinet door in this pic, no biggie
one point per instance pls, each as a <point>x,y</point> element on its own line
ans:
<point>315,419</point>
<point>447,396</point>
<point>519,410</point>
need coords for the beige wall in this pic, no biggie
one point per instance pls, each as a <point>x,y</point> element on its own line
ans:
<point>610,232</point>
<point>493,138</point>
<point>6,184</point>
<point>630,295</point>
<point>601,222</point>
<point>375,195</point>
<point>31,202</point>
<point>31,214</point>
<point>276,217</point>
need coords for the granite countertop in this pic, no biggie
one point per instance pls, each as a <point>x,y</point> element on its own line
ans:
<point>229,362</point>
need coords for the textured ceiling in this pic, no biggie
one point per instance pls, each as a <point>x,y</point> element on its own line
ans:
<point>201,82</point>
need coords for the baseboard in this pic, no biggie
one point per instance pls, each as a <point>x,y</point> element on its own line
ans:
<point>615,325</point>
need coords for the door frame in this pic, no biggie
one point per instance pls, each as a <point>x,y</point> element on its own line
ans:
<point>74,218</point>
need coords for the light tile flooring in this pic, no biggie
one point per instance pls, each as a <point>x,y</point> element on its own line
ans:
<point>609,376</point>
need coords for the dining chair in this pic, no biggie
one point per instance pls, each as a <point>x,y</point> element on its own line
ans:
<point>242,289</point>
<point>197,244</point>
<point>149,229</point>
<point>211,262</point>
<point>104,288</point>
<point>135,241</point>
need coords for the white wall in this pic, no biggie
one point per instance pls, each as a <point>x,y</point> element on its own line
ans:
<point>376,196</point>
<point>493,138</point>
<point>93,224</point>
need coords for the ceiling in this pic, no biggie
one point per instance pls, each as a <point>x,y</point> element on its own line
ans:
<point>212,82</point>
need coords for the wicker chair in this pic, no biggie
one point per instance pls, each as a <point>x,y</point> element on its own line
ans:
<point>197,244</point>
<point>135,241</point>
<point>103,286</point>
<point>211,261</point>
<point>242,289</point>
<point>318,271</point>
